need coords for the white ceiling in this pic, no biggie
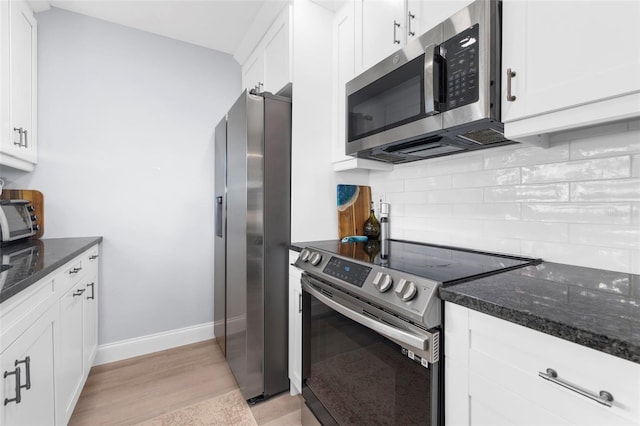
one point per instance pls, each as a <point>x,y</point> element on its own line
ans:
<point>215,24</point>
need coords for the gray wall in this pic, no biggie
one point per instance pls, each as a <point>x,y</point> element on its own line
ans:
<point>126,121</point>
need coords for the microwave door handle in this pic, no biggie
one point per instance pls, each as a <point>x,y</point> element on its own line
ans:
<point>430,88</point>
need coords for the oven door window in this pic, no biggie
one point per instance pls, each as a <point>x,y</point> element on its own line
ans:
<point>390,101</point>
<point>357,376</point>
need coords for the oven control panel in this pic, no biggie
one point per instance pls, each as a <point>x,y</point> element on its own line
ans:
<point>345,270</point>
<point>411,296</point>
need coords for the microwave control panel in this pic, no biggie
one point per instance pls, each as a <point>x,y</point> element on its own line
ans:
<point>461,68</point>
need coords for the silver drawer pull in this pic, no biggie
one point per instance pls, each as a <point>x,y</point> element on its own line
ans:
<point>604,398</point>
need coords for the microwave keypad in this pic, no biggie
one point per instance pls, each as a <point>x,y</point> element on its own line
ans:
<point>461,54</point>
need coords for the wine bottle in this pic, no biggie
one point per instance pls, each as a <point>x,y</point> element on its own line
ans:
<point>372,226</point>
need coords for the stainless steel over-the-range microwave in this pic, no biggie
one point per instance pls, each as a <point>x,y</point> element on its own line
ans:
<point>439,95</point>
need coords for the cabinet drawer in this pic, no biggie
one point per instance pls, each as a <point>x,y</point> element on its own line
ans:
<point>70,274</point>
<point>512,356</point>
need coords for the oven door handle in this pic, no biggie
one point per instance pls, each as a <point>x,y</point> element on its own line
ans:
<point>403,336</point>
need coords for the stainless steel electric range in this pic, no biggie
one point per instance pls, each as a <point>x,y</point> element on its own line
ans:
<point>372,327</point>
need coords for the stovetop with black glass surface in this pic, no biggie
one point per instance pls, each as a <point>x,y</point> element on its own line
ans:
<point>444,264</point>
<point>401,277</point>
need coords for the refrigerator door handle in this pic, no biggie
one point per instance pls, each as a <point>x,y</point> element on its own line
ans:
<point>219,216</point>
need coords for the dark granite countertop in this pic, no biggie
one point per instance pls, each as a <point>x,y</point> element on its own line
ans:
<point>592,307</point>
<point>26,262</point>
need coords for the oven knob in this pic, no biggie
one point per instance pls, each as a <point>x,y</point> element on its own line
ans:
<point>383,282</point>
<point>406,290</point>
<point>315,258</point>
<point>304,255</point>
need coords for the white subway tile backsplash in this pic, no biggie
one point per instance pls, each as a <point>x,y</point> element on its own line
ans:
<point>555,232</point>
<point>525,156</point>
<point>606,145</point>
<point>407,198</point>
<point>428,210</point>
<point>606,168</point>
<point>590,256</point>
<point>635,166</point>
<point>423,184</point>
<point>457,164</point>
<point>487,178</point>
<point>577,202</point>
<point>606,190</point>
<point>455,196</point>
<point>619,214</point>
<point>606,235</point>
<point>488,211</point>
<point>388,185</point>
<point>527,193</point>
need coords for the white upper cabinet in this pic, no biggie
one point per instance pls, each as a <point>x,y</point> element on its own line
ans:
<point>572,64</point>
<point>422,15</point>
<point>344,70</point>
<point>268,68</point>
<point>385,26</point>
<point>18,51</point>
<point>383,29</point>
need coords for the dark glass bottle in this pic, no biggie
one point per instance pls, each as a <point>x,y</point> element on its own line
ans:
<point>372,226</point>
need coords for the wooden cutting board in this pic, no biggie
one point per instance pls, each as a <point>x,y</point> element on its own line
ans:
<point>35,198</point>
<point>354,205</point>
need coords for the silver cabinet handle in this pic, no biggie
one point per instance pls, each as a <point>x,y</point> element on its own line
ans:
<point>510,74</point>
<point>93,291</point>
<point>395,26</point>
<point>78,292</point>
<point>18,397</point>
<point>604,397</point>
<point>21,132</point>
<point>93,257</point>
<point>26,141</point>
<point>75,270</point>
<point>411,16</point>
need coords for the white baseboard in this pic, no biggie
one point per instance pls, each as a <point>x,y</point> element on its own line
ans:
<point>130,348</point>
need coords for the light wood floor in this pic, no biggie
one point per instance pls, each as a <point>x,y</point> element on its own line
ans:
<point>138,389</point>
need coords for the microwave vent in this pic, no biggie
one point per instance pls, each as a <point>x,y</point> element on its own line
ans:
<point>484,137</point>
<point>383,156</point>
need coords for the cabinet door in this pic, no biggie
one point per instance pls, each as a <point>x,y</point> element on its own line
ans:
<point>383,29</point>
<point>277,54</point>
<point>253,72</point>
<point>344,70</point>
<point>36,405</point>
<point>90,323</point>
<point>568,53</point>
<point>22,74</point>
<point>70,370</point>
<point>295,327</point>
<point>424,15</point>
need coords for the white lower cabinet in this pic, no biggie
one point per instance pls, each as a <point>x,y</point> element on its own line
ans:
<point>28,375</point>
<point>48,342</point>
<point>295,326</point>
<point>492,376</point>
<point>70,372</point>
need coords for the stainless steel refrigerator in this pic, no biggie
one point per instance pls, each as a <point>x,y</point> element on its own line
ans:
<point>253,209</point>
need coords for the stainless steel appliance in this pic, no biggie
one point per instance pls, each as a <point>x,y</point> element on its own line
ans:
<point>372,327</point>
<point>16,221</point>
<point>439,95</point>
<point>253,181</point>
